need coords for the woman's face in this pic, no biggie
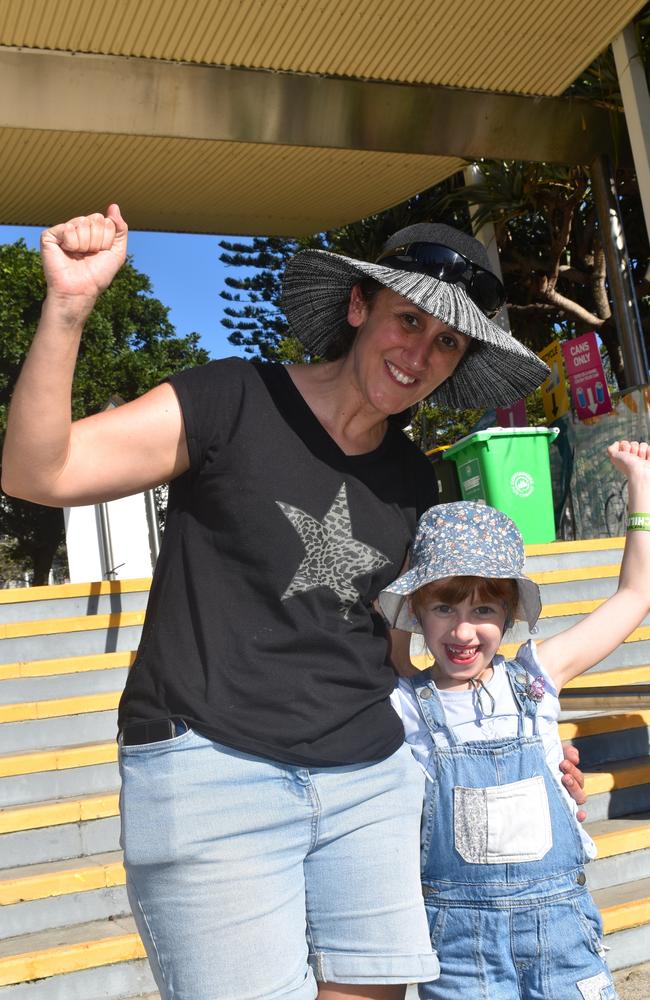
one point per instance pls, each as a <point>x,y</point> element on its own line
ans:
<point>399,354</point>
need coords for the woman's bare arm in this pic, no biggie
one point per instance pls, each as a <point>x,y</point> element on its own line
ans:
<point>49,459</point>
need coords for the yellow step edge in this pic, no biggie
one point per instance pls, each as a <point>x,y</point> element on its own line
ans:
<point>35,817</point>
<point>79,623</point>
<point>597,782</point>
<point>577,574</point>
<point>625,915</point>
<point>622,841</point>
<point>61,883</point>
<point>29,711</point>
<point>565,608</point>
<point>56,591</point>
<point>608,678</point>
<point>596,724</point>
<point>641,634</point>
<point>61,759</point>
<point>581,545</point>
<point>69,958</point>
<point>65,665</point>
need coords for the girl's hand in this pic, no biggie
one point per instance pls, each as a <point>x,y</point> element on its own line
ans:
<point>81,257</point>
<point>630,457</point>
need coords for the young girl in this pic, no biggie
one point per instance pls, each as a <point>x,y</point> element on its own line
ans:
<point>503,854</point>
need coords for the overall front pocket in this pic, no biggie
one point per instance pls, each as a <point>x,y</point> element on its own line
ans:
<point>504,823</point>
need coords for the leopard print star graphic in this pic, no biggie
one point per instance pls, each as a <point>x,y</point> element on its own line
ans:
<point>333,558</point>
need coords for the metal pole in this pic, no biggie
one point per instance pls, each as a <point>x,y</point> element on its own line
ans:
<point>619,274</point>
<point>153,526</point>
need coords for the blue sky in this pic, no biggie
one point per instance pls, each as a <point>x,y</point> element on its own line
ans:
<point>186,274</point>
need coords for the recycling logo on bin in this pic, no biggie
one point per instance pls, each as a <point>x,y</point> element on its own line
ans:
<point>522,483</point>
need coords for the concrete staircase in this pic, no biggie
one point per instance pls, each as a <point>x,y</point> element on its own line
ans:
<point>65,927</point>
<point>614,745</point>
<point>65,924</point>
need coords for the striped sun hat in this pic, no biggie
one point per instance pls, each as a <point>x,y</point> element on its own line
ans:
<point>316,292</point>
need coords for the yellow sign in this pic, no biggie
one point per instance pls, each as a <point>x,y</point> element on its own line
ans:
<point>554,391</point>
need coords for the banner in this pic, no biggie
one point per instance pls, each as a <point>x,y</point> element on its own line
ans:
<point>555,397</point>
<point>512,416</point>
<point>584,367</point>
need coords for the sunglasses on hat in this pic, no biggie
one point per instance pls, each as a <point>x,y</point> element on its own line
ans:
<point>445,264</point>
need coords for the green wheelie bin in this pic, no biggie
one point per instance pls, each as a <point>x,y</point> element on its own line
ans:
<point>509,468</point>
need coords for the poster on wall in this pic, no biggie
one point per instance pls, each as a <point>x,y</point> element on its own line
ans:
<point>584,367</point>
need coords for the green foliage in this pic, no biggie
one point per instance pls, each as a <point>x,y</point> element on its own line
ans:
<point>129,346</point>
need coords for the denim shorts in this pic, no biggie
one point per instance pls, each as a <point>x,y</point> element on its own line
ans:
<point>253,879</point>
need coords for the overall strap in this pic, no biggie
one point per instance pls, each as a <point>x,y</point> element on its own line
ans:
<point>527,694</point>
<point>430,706</point>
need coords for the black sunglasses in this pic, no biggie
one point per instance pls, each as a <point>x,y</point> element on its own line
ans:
<point>445,264</point>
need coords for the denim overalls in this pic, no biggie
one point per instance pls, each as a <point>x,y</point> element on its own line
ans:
<point>502,870</point>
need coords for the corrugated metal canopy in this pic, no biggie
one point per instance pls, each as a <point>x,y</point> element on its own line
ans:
<point>501,45</point>
<point>261,152</point>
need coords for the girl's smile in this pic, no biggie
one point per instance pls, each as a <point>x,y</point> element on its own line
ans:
<point>462,637</point>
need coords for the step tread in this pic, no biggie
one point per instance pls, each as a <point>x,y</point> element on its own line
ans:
<point>76,623</point>
<point>575,574</point>
<point>641,634</point>
<point>58,591</point>
<point>618,774</point>
<point>619,824</point>
<point>68,949</point>
<point>608,678</point>
<point>57,878</point>
<point>57,812</point>
<point>58,758</point>
<point>51,708</point>
<point>622,894</point>
<point>580,545</point>
<point>66,665</point>
<point>604,722</point>
<point>621,836</point>
<point>66,864</point>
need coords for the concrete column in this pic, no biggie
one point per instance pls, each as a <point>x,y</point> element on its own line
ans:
<point>636,103</point>
<point>619,274</point>
<point>487,236</point>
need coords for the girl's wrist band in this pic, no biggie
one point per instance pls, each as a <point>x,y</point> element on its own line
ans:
<point>638,522</point>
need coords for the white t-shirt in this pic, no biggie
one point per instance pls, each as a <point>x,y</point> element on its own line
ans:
<point>465,717</point>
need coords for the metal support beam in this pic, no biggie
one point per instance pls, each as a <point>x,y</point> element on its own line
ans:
<point>619,274</point>
<point>71,92</point>
<point>636,102</point>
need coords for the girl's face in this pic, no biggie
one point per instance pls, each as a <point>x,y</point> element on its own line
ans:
<point>462,637</point>
<point>400,354</point>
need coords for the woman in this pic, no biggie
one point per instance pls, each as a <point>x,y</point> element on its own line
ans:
<point>270,810</point>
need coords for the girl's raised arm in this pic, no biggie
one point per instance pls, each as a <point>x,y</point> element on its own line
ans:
<point>49,459</point>
<point>575,650</point>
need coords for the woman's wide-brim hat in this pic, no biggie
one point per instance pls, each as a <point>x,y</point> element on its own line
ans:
<point>316,293</point>
<point>462,539</point>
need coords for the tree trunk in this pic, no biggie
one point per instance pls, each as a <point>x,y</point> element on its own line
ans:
<point>45,546</point>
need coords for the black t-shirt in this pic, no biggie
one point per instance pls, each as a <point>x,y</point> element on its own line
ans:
<point>259,629</point>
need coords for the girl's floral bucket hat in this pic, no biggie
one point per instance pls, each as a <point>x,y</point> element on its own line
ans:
<point>462,539</point>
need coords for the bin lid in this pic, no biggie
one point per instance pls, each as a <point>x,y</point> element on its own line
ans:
<point>502,432</point>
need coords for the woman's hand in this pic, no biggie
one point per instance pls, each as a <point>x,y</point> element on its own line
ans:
<point>573,779</point>
<point>81,257</point>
